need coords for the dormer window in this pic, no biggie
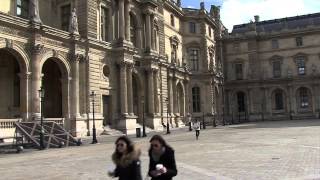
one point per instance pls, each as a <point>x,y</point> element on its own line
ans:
<point>23,8</point>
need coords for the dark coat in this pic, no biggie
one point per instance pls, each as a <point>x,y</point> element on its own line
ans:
<point>128,166</point>
<point>168,161</point>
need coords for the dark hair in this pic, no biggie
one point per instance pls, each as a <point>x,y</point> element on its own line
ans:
<point>161,140</point>
<point>127,141</point>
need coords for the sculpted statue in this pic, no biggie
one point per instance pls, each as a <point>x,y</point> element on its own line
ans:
<point>34,11</point>
<point>73,27</point>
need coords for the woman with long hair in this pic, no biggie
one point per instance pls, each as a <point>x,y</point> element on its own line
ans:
<point>126,157</point>
<point>162,165</point>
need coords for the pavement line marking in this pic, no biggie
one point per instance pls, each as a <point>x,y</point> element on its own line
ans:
<point>203,172</point>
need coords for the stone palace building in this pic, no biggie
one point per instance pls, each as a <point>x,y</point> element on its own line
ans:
<point>271,69</point>
<point>143,59</point>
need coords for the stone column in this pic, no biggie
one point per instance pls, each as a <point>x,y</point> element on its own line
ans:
<point>24,94</point>
<point>130,90</point>
<point>123,89</point>
<point>170,94</point>
<point>36,80</point>
<point>110,26</point>
<point>139,37</point>
<point>175,103</point>
<point>187,98</point>
<point>249,108</point>
<point>127,20</point>
<point>156,93</point>
<point>148,30</point>
<point>75,87</point>
<point>121,20</point>
<point>150,91</point>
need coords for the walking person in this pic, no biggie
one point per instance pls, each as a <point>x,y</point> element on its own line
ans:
<point>196,127</point>
<point>162,165</point>
<point>127,160</point>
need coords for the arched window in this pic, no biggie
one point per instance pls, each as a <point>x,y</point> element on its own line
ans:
<point>196,99</point>
<point>278,100</point>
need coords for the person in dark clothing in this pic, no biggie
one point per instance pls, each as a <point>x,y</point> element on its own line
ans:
<point>162,165</point>
<point>127,160</point>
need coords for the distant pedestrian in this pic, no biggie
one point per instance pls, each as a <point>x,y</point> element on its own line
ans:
<point>127,160</point>
<point>189,122</point>
<point>162,165</point>
<point>196,127</point>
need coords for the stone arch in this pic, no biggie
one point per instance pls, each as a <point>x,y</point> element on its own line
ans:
<point>62,85</point>
<point>180,99</point>
<point>22,60</point>
<point>62,61</point>
<point>18,52</point>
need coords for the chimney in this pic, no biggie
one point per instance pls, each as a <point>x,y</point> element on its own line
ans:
<point>256,18</point>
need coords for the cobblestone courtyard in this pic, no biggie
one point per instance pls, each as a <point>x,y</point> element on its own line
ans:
<point>263,150</point>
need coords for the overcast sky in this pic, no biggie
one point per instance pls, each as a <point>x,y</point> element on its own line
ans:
<point>235,12</point>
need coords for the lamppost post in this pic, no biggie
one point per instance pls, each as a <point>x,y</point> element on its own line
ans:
<point>94,134</point>
<point>41,95</point>
<point>143,120</point>
<point>168,128</point>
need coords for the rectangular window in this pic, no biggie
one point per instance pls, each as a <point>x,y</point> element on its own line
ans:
<point>301,66</point>
<point>279,100</point>
<point>299,41</point>
<point>65,17</point>
<point>194,59</point>
<point>104,23</point>
<point>304,98</point>
<point>239,72</point>
<point>196,99</point>
<point>276,69</point>
<point>23,8</point>
<point>275,44</point>
<point>172,20</point>
<point>192,27</point>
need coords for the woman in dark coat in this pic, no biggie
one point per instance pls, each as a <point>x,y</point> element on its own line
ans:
<point>127,160</point>
<point>162,165</point>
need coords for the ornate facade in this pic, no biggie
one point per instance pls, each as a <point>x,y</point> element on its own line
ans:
<point>271,69</point>
<point>142,58</point>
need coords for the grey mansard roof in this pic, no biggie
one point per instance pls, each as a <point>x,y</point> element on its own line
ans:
<point>280,24</point>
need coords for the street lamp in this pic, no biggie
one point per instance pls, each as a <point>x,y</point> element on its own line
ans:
<point>168,128</point>
<point>143,121</point>
<point>41,96</point>
<point>94,134</point>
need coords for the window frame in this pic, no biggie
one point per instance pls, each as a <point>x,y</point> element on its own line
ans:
<point>104,25</point>
<point>238,74</point>
<point>24,7</point>
<point>194,54</point>
<point>192,27</point>
<point>196,99</point>
<point>299,41</point>
<point>276,72</point>
<point>65,16</point>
